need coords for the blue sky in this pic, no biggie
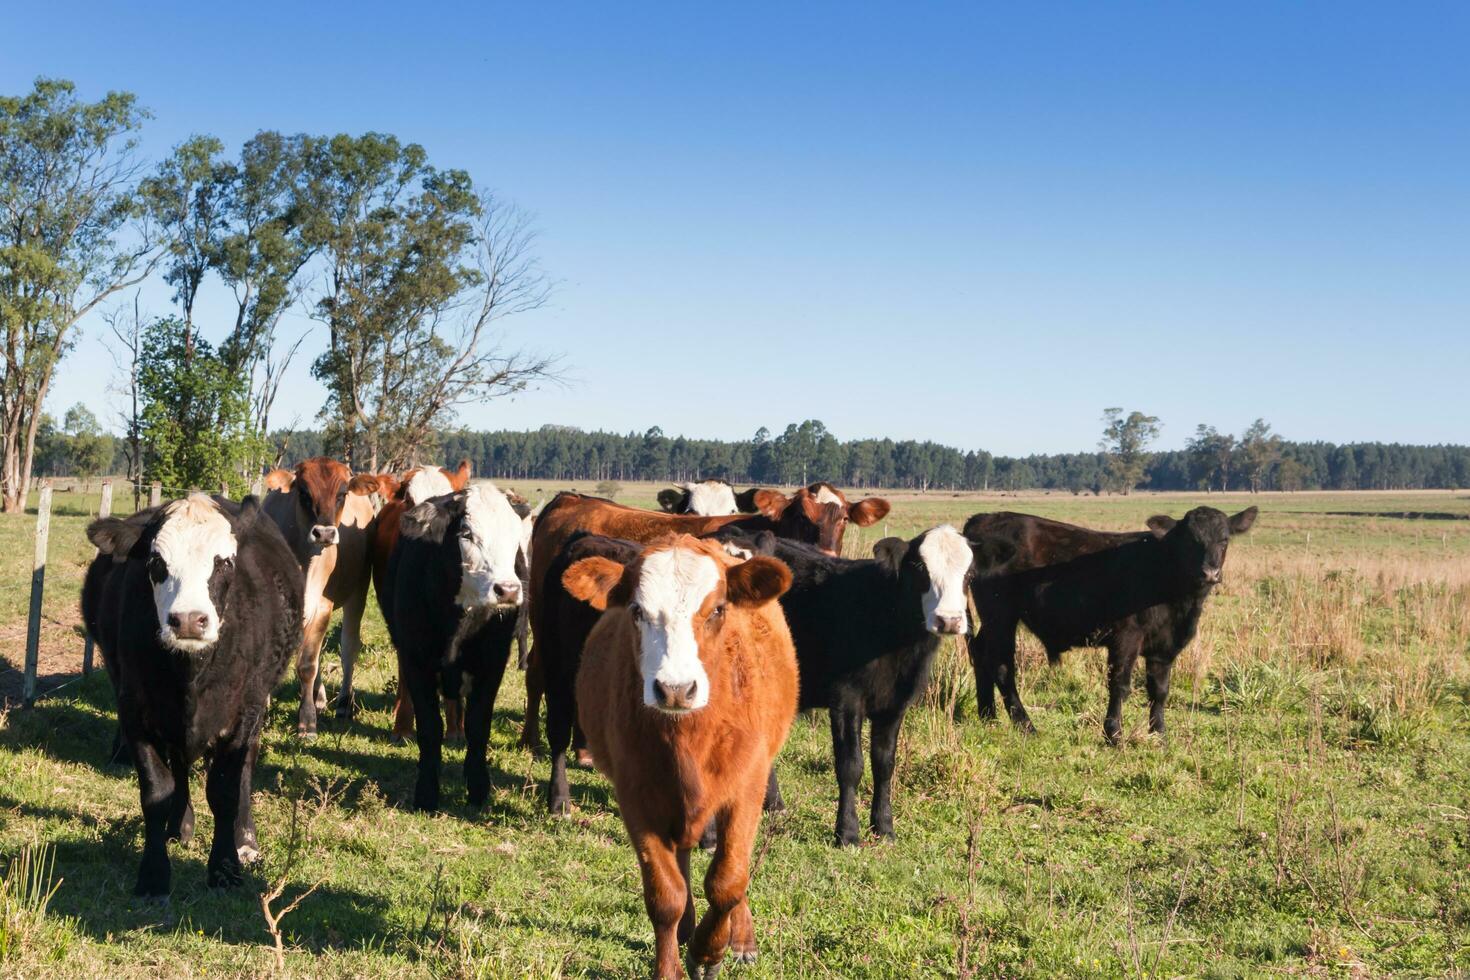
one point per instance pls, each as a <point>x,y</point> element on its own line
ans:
<point>976,224</point>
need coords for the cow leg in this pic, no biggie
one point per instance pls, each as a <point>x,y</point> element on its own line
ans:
<point>1002,656</point>
<point>181,816</point>
<point>742,933</point>
<point>402,708</point>
<point>523,629</point>
<point>479,710</point>
<point>156,787</point>
<point>531,727</point>
<point>247,848</point>
<point>983,664</point>
<point>430,730</point>
<point>561,709</point>
<point>847,756</point>
<point>1159,670</point>
<point>686,921</point>
<point>1121,655</point>
<point>453,719</point>
<point>725,882</point>
<point>773,802</point>
<point>222,787</point>
<point>352,611</point>
<point>665,896</point>
<point>882,752</point>
<point>308,663</point>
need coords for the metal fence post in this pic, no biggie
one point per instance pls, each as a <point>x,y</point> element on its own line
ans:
<point>38,587</point>
<point>104,509</point>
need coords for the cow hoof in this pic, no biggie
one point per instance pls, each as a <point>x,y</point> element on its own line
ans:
<point>745,955</point>
<point>348,710</point>
<point>702,971</point>
<point>560,808</point>
<point>223,876</point>
<point>247,853</point>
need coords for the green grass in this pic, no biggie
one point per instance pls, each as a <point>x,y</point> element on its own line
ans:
<point>1309,815</point>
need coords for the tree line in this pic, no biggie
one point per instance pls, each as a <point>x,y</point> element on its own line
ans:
<point>805,452</point>
<point>406,267</point>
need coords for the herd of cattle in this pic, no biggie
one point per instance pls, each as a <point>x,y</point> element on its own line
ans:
<point>672,647</point>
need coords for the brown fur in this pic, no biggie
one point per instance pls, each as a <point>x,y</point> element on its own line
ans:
<point>673,774</point>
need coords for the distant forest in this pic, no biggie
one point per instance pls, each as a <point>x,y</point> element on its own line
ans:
<point>807,451</point>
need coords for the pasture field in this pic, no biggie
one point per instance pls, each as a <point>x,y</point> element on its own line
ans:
<point>1309,815</point>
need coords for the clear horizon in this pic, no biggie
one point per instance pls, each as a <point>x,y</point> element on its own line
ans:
<point>977,227</point>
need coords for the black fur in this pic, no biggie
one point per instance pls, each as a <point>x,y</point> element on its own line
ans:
<point>175,708</point>
<point>864,653</point>
<point>1138,594</point>
<point>423,619</point>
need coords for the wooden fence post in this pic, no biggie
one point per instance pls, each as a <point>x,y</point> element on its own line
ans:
<point>256,487</point>
<point>155,494</point>
<point>38,588</point>
<point>104,509</point>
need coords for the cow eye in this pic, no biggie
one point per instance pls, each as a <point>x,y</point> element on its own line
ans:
<point>157,568</point>
<point>636,611</point>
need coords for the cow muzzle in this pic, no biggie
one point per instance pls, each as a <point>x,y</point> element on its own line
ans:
<point>324,535</point>
<point>676,697</point>
<point>189,625</point>
<point>949,625</point>
<point>507,593</point>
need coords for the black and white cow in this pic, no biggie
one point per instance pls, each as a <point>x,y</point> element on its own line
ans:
<point>709,498</point>
<point>197,609</point>
<point>454,591</point>
<point>866,632</point>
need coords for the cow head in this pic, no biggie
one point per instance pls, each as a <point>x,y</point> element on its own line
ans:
<point>425,482</point>
<point>819,515</point>
<point>707,498</point>
<point>677,595</point>
<point>936,566</point>
<point>480,537</point>
<point>319,487</point>
<point>188,549</point>
<point>1197,543</point>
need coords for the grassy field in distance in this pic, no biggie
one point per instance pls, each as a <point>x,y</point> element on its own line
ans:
<point>1310,814</point>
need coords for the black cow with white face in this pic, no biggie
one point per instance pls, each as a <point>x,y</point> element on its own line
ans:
<point>454,594</point>
<point>866,633</point>
<point>1137,594</point>
<point>196,607</point>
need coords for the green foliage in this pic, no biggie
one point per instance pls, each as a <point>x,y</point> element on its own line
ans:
<point>609,489</point>
<point>1125,441</point>
<point>196,421</point>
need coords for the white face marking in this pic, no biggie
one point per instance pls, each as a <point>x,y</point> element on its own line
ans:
<point>427,484</point>
<point>826,496</point>
<point>711,499</point>
<point>735,551</point>
<point>946,556</point>
<point>194,533</point>
<point>672,586</point>
<point>489,540</point>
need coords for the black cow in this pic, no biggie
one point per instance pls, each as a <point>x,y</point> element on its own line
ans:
<point>866,632</point>
<point>714,498</point>
<point>196,607</point>
<point>1138,594</point>
<point>454,591</point>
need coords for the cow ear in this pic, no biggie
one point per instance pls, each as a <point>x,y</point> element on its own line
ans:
<point>1161,524</point>
<point>669,499</point>
<point>756,582</point>
<point>890,552</point>
<point>765,543</point>
<point>770,503</point>
<point>114,536</point>
<point>279,479</point>
<point>249,510</point>
<point>592,580</point>
<point>868,511</point>
<point>1241,523</point>
<point>745,500</point>
<point>460,478</point>
<point>424,522</point>
<point>387,485</point>
<point>364,484</point>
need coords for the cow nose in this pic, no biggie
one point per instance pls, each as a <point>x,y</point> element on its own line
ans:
<point>1212,575</point>
<point>508,592</point>
<point>675,695</point>
<point>951,625</point>
<point>188,625</point>
<point>325,534</point>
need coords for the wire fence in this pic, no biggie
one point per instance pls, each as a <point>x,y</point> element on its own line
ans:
<point>156,492</point>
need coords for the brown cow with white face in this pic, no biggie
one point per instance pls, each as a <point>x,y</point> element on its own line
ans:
<point>325,513</point>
